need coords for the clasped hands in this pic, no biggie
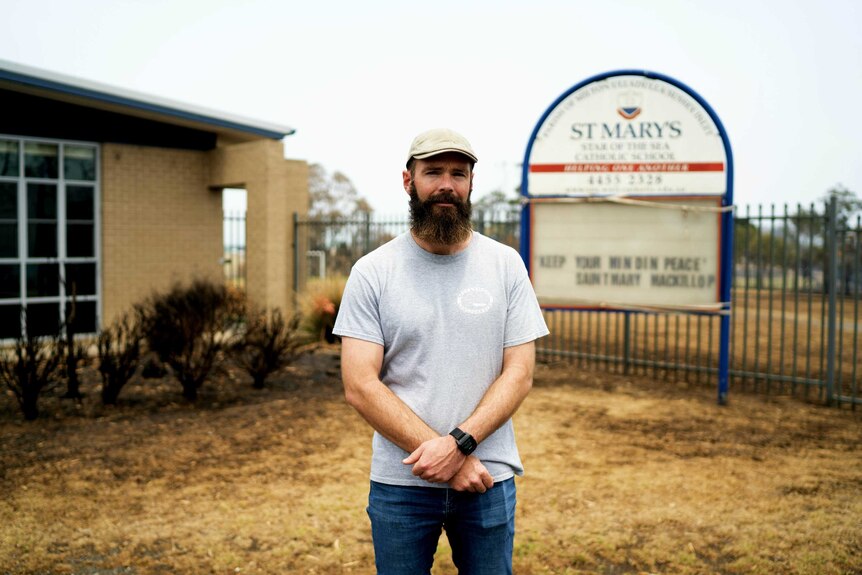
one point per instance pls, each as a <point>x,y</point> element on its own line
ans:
<point>439,460</point>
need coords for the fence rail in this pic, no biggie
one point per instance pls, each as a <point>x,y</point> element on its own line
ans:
<point>795,324</point>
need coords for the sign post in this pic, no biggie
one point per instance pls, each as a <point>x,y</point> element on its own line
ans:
<point>628,193</point>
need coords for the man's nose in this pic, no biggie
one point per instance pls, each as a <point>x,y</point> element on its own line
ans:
<point>447,182</point>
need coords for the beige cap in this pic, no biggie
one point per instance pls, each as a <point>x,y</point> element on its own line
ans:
<point>439,141</point>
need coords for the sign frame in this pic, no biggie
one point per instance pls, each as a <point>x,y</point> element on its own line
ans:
<point>725,261</point>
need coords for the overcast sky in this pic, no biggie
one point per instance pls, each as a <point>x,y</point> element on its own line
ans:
<point>357,80</point>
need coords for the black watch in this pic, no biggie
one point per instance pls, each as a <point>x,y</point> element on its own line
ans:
<point>465,441</point>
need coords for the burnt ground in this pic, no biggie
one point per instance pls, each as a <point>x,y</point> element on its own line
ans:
<point>625,474</point>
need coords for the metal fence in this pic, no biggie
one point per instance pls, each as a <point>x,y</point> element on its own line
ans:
<point>326,248</point>
<point>793,331</point>
<point>233,258</point>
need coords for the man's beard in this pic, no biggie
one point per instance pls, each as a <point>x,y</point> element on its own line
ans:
<point>442,226</point>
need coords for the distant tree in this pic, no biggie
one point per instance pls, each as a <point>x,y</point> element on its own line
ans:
<point>332,195</point>
<point>497,215</point>
<point>810,225</point>
<point>497,201</point>
<point>849,207</point>
<point>340,229</point>
<point>849,204</point>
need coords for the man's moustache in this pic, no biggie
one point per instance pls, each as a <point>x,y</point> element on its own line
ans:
<point>444,200</point>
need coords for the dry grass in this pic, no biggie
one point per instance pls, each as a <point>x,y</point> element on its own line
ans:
<point>624,475</point>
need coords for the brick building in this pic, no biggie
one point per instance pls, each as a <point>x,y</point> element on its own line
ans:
<point>119,193</point>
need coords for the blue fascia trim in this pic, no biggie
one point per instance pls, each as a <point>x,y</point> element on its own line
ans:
<point>138,104</point>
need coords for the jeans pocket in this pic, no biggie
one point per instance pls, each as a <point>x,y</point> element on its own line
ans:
<point>497,505</point>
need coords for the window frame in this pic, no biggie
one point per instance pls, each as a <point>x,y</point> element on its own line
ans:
<point>23,258</point>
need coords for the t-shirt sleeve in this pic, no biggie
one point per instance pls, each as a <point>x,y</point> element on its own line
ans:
<point>524,320</point>
<point>359,312</point>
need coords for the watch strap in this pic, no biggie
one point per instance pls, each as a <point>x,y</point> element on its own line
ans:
<point>465,442</point>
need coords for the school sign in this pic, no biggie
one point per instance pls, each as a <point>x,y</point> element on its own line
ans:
<point>627,189</point>
<point>627,176</point>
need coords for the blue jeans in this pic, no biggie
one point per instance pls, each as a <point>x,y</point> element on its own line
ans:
<point>406,523</point>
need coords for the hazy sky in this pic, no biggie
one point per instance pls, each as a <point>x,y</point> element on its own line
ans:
<point>357,80</point>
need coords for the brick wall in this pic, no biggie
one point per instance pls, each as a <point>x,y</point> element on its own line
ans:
<point>160,222</point>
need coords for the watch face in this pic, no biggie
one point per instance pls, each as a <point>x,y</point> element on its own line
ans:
<point>468,444</point>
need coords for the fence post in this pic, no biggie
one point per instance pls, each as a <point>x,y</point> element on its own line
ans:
<point>627,343</point>
<point>295,256</point>
<point>724,326</point>
<point>367,232</point>
<point>832,287</point>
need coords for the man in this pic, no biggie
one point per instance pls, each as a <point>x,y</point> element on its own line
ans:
<point>438,334</point>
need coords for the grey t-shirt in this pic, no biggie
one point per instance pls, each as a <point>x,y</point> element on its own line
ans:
<point>443,322</point>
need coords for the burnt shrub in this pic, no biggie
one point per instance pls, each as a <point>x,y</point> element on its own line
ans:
<point>29,367</point>
<point>73,352</point>
<point>119,347</point>
<point>189,327</point>
<point>269,343</point>
<point>153,368</point>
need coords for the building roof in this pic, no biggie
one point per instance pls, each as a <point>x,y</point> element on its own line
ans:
<point>20,78</point>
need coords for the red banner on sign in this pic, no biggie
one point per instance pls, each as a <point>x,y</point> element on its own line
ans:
<point>663,167</point>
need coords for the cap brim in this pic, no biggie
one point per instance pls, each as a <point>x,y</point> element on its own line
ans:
<point>443,151</point>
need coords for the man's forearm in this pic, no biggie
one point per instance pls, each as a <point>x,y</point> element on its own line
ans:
<point>388,415</point>
<point>505,395</point>
<point>361,362</point>
<point>444,460</point>
<point>433,458</point>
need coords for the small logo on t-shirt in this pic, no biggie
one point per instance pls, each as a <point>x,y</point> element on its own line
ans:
<point>475,300</point>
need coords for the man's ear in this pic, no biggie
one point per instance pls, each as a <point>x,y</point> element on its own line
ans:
<point>405,175</point>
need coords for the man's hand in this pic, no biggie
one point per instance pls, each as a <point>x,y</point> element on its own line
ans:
<point>473,477</point>
<point>436,460</point>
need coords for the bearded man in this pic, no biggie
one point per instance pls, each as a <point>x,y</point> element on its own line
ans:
<point>438,332</point>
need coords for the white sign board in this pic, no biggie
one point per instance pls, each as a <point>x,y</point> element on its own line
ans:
<point>627,135</point>
<point>612,255</point>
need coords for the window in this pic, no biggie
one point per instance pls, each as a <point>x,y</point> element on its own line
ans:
<point>8,219</point>
<point>49,193</point>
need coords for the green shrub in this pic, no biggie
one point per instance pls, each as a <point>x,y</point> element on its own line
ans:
<point>189,327</point>
<point>270,342</point>
<point>318,306</point>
